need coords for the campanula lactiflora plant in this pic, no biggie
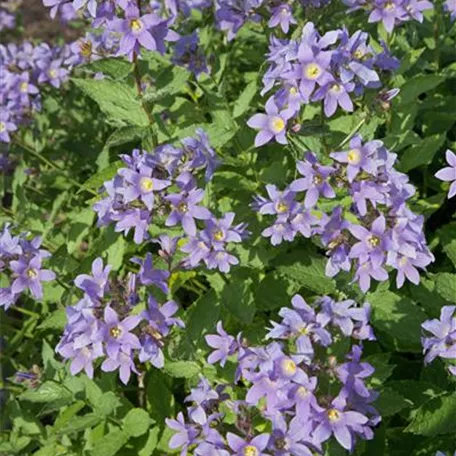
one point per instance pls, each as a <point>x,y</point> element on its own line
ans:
<point>227,227</point>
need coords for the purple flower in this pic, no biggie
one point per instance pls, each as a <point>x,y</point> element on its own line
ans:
<point>282,15</point>
<point>359,157</point>
<point>389,12</point>
<point>6,126</point>
<point>335,93</point>
<point>123,362</point>
<point>186,434</point>
<point>373,244</point>
<point>450,6</point>
<point>224,344</point>
<point>243,447</point>
<point>141,186</point>
<point>117,333</point>
<point>342,424</point>
<point>150,276</point>
<point>185,209</point>
<point>314,182</point>
<point>448,174</point>
<point>136,31</point>
<point>271,125</point>
<point>442,341</point>
<point>30,275</point>
<point>94,285</point>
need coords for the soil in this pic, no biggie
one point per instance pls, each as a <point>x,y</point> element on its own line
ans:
<point>38,25</point>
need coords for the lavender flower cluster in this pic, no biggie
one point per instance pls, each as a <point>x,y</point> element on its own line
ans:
<point>162,184</point>
<point>332,68</point>
<point>136,24</point>
<point>21,263</point>
<point>24,69</point>
<point>294,385</point>
<point>375,230</point>
<point>441,340</point>
<point>391,13</point>
<point>106,322</point>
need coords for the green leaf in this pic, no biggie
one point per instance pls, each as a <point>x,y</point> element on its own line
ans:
<point>47,392</point>
<point>136,422</point>
<point>110,444</point>
<point>421,154</point>
<point>446,286</point>
<point>398,318</point>
<point>237,297</point>
<point>171,81</point>
<point>79,423</point>
<point>448,239</point>
<point>117,100</point>
<point>159,397</point>
<point>182,369</point>
<point>56,320</point>
<point>98,179</point>
<point>117,68</point>
<point>306,269</point>
<point>390,402</point>
<point>243,103</point>
<point>436,416</point>
<point>417,85</point>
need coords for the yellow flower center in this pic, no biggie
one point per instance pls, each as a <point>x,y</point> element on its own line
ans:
<point>219,235</point>
<point>312,71</point>
<point>317,179</point>
<point>374,241</point>
<point>52,73</point>
<point>115,332</point>
<point>250,450</point>
<point>403,261</point>
<point>85,48</point>
<point>2,127</point>
<point>333,414</point>
<point>277,124</point>
<point>147,184</point>
<point>289,366</point>
<point>304,331</point>
<point>281,444</point>
<point>136,25</point>
<point>281,207</point>
<point>358,54</point>
<point>354,157</point>
<point>32,273</point>
<point>390,6</point>
<point>293,91</point>
<point>302,392</point>
<point>336,88</point>
<point>24,87</point>
<point>182,207</point>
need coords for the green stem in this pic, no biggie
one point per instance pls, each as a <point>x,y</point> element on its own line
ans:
<point>352,133</point>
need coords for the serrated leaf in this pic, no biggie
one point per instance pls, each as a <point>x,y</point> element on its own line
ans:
<point>421,154</point>
<point>446,286</point>
<point>436,416</point>
<point>117,68</point>
<point>110,444</point>
<point>417,85</point>
<point>399,319</point>
<point>117,100</point>
<point>306,269</point>
<point>47,392</point>
<point>182,369</point>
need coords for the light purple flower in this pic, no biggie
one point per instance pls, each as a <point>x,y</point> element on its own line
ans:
<point>271,125</point>
<point>448,174</point>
